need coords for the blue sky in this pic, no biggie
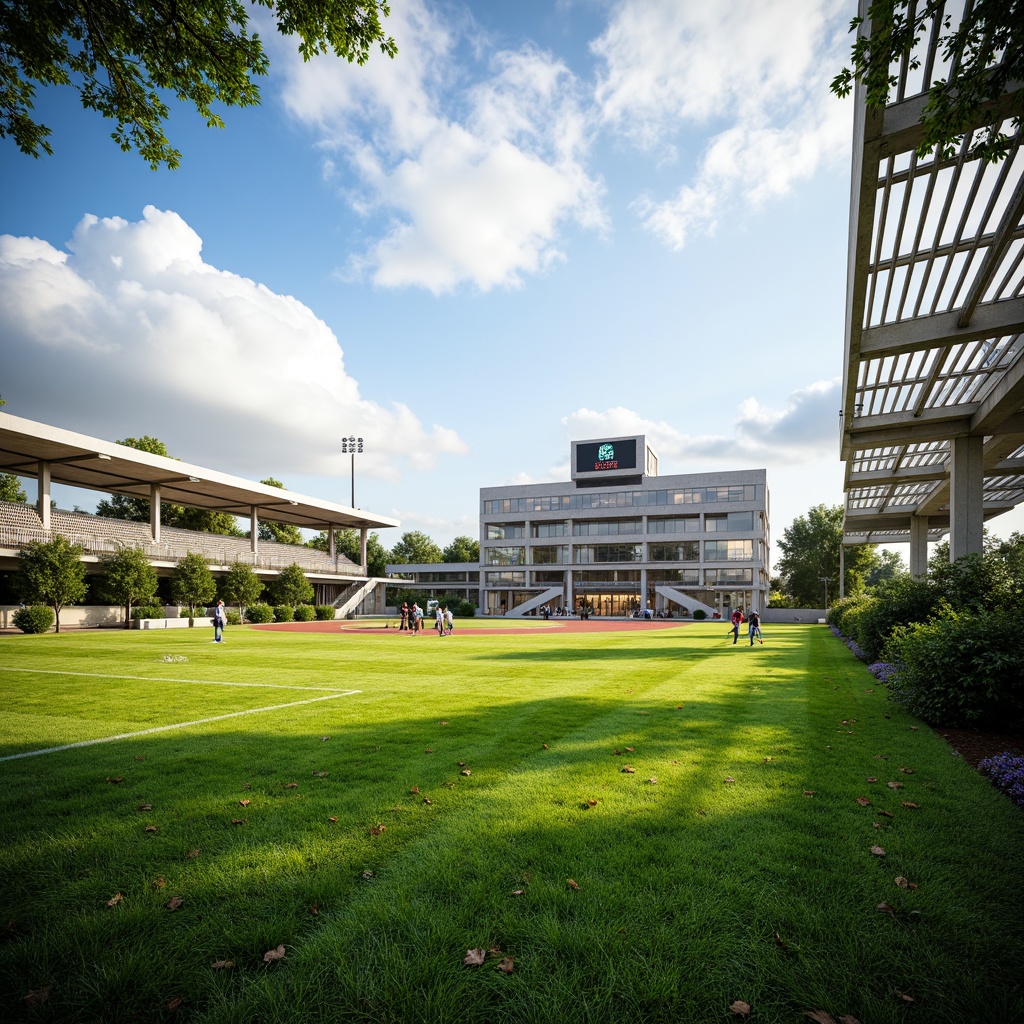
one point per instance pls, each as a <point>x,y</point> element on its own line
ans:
<point>541,222</point>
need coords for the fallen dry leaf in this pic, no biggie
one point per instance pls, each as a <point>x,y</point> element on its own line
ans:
<point>474,957</point>
<point>507,964</point>
<point>139,757</point>
<point>465,771</point>
<point>518,892</point>
<point>629,769</point>
<point>428,751</point>
<point>591,803</point>
<point>904,884</point>
<point>871,778</point>
<point>367,874</point>
<point>572,885</point>
<point>151,828</point>
<point>886,814</point>
<point>913,728</point>
<point>740,1008</point>
<point>174,903</point>
<point>377,829</point>
<point>652,781</point>
<point>273,954</point>
<point>427,800</point>
<point>157,883</point>
<point>245,803</point>
<point>145,807</point>
<point>173,1003</point>
<point>728,778</point>
<point>910,804</point>
<point>821,1016</point>
<point>332,820</point>
<point>878,851</point>
<point>314,909</point>
<point>115,779</point>
<point>903,995</point>
<point>544,745</point>
<point>886,908</point>
<point>239,821</point>
<point>319,775</point>
<point>618,753</point>
<point>114,900</point>
<point>324,739</point>
<point>808,792</point>
<point>192,853</point>
<point>767,759</point>
<point>848,1019</point>
<point>630,750</point>
<point>291,785</point>
<point>36,996</point>
<point>895,785</point>
<point>907,771</point>
<point>222,965</point>
<point>863,801</point>
<point>415,789</point>
<point>444,721</point>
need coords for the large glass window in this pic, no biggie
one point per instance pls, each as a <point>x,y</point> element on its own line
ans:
<point>586,554</point>
<point>547,576</point>
<point>673,577</point>
<point>550,554</point>
<point>606,527</point>
<point>509,579</point>
<point>559,529</point>
<point>673,524</point>
<point>619,499</point>
<point>506,531</point>
<point>505,556</point>
<point>728,550</point>
<point>680,551</point>
<point>731,521</point>
<point>720,576</point>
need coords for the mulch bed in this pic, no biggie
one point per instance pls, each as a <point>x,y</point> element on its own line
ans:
<point>973,745</point>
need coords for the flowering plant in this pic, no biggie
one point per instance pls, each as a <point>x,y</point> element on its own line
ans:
<point>1006,773</point>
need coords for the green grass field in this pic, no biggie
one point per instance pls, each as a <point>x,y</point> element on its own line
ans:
<point>471,795</point>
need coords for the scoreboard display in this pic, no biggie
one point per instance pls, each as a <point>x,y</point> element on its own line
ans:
<point>606,456</point>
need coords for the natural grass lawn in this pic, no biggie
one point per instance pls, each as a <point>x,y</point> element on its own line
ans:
<point>693,890</point>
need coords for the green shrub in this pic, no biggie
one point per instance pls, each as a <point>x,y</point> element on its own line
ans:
<point>324,612</point>
<point>959,668</point>
<point>259,612</point>
<point>283,613</point>
<point>699,613</point>
<point>234,619</point>
<point>304,613</point>
<point>36,618</point>
<point>897,602</point>
<point>148,611</point>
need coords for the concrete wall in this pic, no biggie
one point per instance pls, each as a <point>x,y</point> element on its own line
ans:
<point>792,615</point>
<point>78,616</point>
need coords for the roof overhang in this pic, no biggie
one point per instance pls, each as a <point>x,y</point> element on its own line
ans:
<point>88,462</point>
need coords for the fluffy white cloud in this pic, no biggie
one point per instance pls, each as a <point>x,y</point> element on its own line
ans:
<point>477,178</point>
<point>131,331</point>
<point>759,68</point>
<point>806,427</point>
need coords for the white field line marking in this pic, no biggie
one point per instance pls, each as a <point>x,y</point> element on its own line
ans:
<point>169,679</point>
<point>177,725</point>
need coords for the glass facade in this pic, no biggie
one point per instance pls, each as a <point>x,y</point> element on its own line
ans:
<point>713,577</point>
<point>678,551</point>
<point>506,579</point>
<point>550,554</point>
<point>673,577</point>
<point>734,522</point>
<point>586,554</point>
<point>606,527</point>
<point>728,550</point>
<point>506,531</point>
<point>550,529</point>
<point>505,556</point>
<point>673,524</point>
<point>620,499</point>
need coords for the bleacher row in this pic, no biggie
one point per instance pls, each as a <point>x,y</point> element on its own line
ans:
<point>20,525</point>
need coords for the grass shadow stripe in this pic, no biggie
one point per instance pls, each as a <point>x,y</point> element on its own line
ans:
<point>170,679</point>
<point>177,725</point>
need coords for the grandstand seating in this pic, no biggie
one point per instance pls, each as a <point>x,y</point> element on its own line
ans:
<point>98,536</point>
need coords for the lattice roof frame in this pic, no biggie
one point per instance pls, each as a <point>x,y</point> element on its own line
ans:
<point>934,345</point>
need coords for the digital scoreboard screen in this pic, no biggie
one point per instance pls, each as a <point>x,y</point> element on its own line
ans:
<point>605,456</point>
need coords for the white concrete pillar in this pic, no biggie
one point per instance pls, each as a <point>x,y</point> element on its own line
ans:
<point>918,547</point>
<point>43,494</point>
<point>362,551</point>
<point>331,549</point>
<point>966,479</point>
<point>254,530</point>
<point>154,512</point>
<point>842,570</point>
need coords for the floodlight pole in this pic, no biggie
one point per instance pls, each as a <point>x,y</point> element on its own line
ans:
<point>825,580</point>
<point>352,446</point>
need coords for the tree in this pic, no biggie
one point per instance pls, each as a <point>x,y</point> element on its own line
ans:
<point>128,579</point>
<point>192,584</point>
<point>348,543</point>
<point>292,587</point>
<point>11,489</point>
<point>462,549</point>
<point>241,586</point>
<point>126,58</point>
<point>52,573</point>
<point>415,548</point>
<point>810,551</point>
<point>986,52</point>
<point>283,533</point>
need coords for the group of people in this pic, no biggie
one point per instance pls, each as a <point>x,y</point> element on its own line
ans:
<point>412,619</point>
<point>753,626</point>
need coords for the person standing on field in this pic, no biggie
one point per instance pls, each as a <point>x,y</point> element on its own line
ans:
<point>737,619</point>
<point>449,621</point>
<point>220,620</point>
<point>755,628</point>
<point>439,620</point>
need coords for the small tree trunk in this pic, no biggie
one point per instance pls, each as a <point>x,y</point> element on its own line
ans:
<point>56,617</point>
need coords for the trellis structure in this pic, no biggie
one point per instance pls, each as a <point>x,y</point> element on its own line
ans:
<point>933,389</point>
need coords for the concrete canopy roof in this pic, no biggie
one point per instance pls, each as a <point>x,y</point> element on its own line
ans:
<point>81,461</point>
<point>934,317</point>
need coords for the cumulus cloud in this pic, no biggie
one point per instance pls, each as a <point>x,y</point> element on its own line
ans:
<point>477,180</point>
<point>805,427</point>
<point>131,331</point>
<point>759,69</point>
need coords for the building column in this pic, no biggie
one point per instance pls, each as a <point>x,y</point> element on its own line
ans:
<point>842,570</point>
<point>254,531</point>
<point>918,547</point>
<point>966,480</point>
<point>43,494</point>
<point>362,551</point>
<point>154,512</point>
<point>331,548</point>
<point>643,590</point>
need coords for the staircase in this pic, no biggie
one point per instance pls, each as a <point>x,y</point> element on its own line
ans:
<point>691,604</point>
<point>535,602</point>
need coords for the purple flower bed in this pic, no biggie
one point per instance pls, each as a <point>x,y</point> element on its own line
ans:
<point>835,632</point>
<point>1007,773</point>
<point>881,670</point>
<point>857,650</point>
